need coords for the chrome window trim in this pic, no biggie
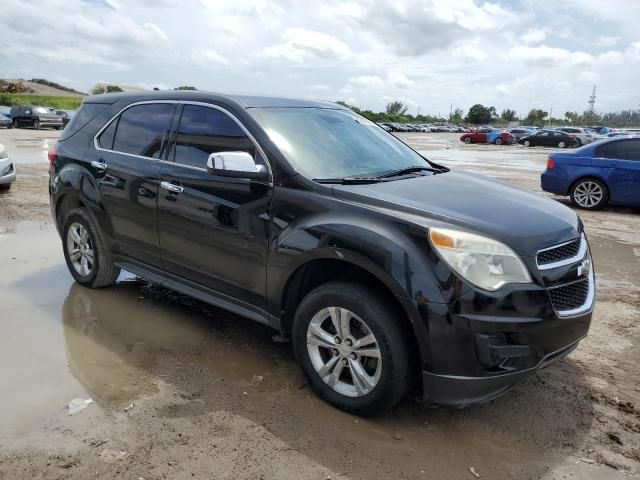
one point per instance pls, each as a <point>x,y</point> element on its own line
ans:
<point>587,306</point>
<point>567,261</point>
<point>180,102</point>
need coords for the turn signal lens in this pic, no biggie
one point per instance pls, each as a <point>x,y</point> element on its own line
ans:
<point>441,240</point>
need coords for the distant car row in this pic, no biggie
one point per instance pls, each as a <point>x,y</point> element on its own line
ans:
<point>421,127</point>
<point>35,116</point>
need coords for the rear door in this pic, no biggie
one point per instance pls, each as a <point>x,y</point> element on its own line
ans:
<point>213,230</point>
<point>622,160</point>
<point>127,163</point>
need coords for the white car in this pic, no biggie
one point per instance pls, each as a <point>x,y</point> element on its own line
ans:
<point>7,169</point>
<point>583,135</point>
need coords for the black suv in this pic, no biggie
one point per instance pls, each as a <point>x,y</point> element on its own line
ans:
<point>35,116</point>
<point>386,270</point>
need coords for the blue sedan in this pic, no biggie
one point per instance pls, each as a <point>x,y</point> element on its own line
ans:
<point>596,174</point>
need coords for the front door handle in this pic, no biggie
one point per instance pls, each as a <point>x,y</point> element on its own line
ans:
<point>172,187</point>
<point>99,165</point>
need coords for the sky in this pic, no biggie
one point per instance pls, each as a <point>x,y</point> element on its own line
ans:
<point>430,54</point>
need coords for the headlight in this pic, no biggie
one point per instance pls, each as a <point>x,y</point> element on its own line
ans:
<point>486,263</point>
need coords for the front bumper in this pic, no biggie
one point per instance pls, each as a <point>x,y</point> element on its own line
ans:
<point>7,171</point>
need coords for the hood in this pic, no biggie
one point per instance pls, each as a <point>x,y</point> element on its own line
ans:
<point>524,220</point>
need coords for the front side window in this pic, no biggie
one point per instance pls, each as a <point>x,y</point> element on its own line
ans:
<point>328,144</point>
<point>629,150</point>
<point>142,129</point>
<point>206,130</point>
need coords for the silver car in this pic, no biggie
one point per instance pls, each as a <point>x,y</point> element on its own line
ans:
<point>583,135</point>
<point>7,169</point>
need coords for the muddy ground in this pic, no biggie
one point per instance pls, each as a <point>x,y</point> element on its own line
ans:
<point>171,378</point>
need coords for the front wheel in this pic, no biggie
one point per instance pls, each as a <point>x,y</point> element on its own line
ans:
<point>589,194</point>
<point>498,141</point>
<point>85,251</point>
<point>527,143</point>
<point>36,124</point>
<point>467,140</point>
<point>352,348</point>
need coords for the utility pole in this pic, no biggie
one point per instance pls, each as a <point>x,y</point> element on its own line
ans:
<point>592,100</point>
<point>450,111</point>
<point>550,115</point>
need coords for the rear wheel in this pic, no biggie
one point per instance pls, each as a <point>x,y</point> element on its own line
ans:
<point>36,124</point>
<point>498,141</point>
<point>5,187</point>
<point>589,194</point>
<point>577,143</point>
<point>85,251</point>
<point>15,123</point>
<point>561,144</point>
<point>352,348</point>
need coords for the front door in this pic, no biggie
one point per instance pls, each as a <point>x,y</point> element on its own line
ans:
<point>622,158</point>
<point>213,230</point>
<point>127,164</point>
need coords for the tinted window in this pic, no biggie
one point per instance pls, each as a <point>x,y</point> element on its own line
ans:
<point>106,137</point>
<point>205,130</point>
<point>621,150</point>
<point>143,129</point>
<point>87,112</point>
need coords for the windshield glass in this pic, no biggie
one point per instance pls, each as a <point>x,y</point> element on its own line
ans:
<point>41,110</point>
<point>326,144</point>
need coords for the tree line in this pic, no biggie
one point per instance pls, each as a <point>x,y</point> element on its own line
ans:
<point>478,114</point>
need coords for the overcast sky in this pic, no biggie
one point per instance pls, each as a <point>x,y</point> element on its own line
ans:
<point>430,53</point>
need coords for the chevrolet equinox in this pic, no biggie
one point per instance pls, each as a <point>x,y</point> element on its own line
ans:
<point>387,271</point>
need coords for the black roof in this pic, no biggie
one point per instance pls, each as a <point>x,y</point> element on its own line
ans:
<point>243,101</point>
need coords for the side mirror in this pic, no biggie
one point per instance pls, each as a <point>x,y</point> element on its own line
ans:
<point>235,165</point>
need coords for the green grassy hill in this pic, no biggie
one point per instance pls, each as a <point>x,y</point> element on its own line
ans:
<point>55,101</point>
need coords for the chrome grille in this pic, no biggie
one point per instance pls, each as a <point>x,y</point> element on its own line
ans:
<point>562,254</point>
<point>570,296</point>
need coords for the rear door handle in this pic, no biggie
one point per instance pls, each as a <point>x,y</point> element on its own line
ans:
<point>99,165</point>
<point>172,187</point>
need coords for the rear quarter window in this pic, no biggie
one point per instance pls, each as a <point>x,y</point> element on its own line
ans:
<point>87,112</point>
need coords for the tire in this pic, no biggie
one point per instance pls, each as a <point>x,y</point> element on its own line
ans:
<point>562,144</point>
<point>389,377</point>
<point>527,143</point>
<point>36,124</point>
<point>15,123</point>
<point>99,271</point>
<point>589,194</point>
<point>578,143</point>
<point>467,140</point>
<point>498,141</point>
<point>5,187</point>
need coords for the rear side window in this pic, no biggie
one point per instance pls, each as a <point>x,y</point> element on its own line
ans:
<point>610,150</point>
<point>143,129</point>
<point>620,150</point>
<point>87,112</point>
<point>205,130</point>
<point>105,140</point>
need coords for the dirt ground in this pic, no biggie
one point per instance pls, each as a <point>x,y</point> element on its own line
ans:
<point>173,387</point>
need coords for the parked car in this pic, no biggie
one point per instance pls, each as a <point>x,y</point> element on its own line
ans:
<point>488,135</point>
<point>66,116</point>
<point>386,270</point>
<point>35,116</point>
<point>5,122</point>
<point>601,130</point>
<point>583,135</point>
<point>549,138</point>
<point>604,172</point>
<point>520,132</point>
<point>7,169</point>
<point>385,127</point>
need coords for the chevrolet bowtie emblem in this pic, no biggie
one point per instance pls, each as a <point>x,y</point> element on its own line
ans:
<point>584,268</point>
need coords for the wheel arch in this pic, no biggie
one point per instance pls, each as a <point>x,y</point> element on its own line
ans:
<point>319,271</point>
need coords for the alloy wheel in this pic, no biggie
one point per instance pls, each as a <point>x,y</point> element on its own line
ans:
<point>527,143</point>
<point>344,351</point>
<point>561,145</point>
<point>588,194</point>
<point>80,249</point>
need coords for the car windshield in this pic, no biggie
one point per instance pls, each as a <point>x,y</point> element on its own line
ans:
<point>333,144</point>
<point>41,110</point>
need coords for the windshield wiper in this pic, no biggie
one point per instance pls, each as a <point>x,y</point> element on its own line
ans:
<point>408,170</point>
<point>348,180</point>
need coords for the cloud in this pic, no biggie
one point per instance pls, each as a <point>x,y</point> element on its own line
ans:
<point>534,36</point>
<point>605,41</point>
<point>399,80</point>
<point>367,81</point>
<point>549,56</point>
<point>300,44</point>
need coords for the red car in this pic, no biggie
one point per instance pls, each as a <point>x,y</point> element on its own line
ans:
<point>488,135</point>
